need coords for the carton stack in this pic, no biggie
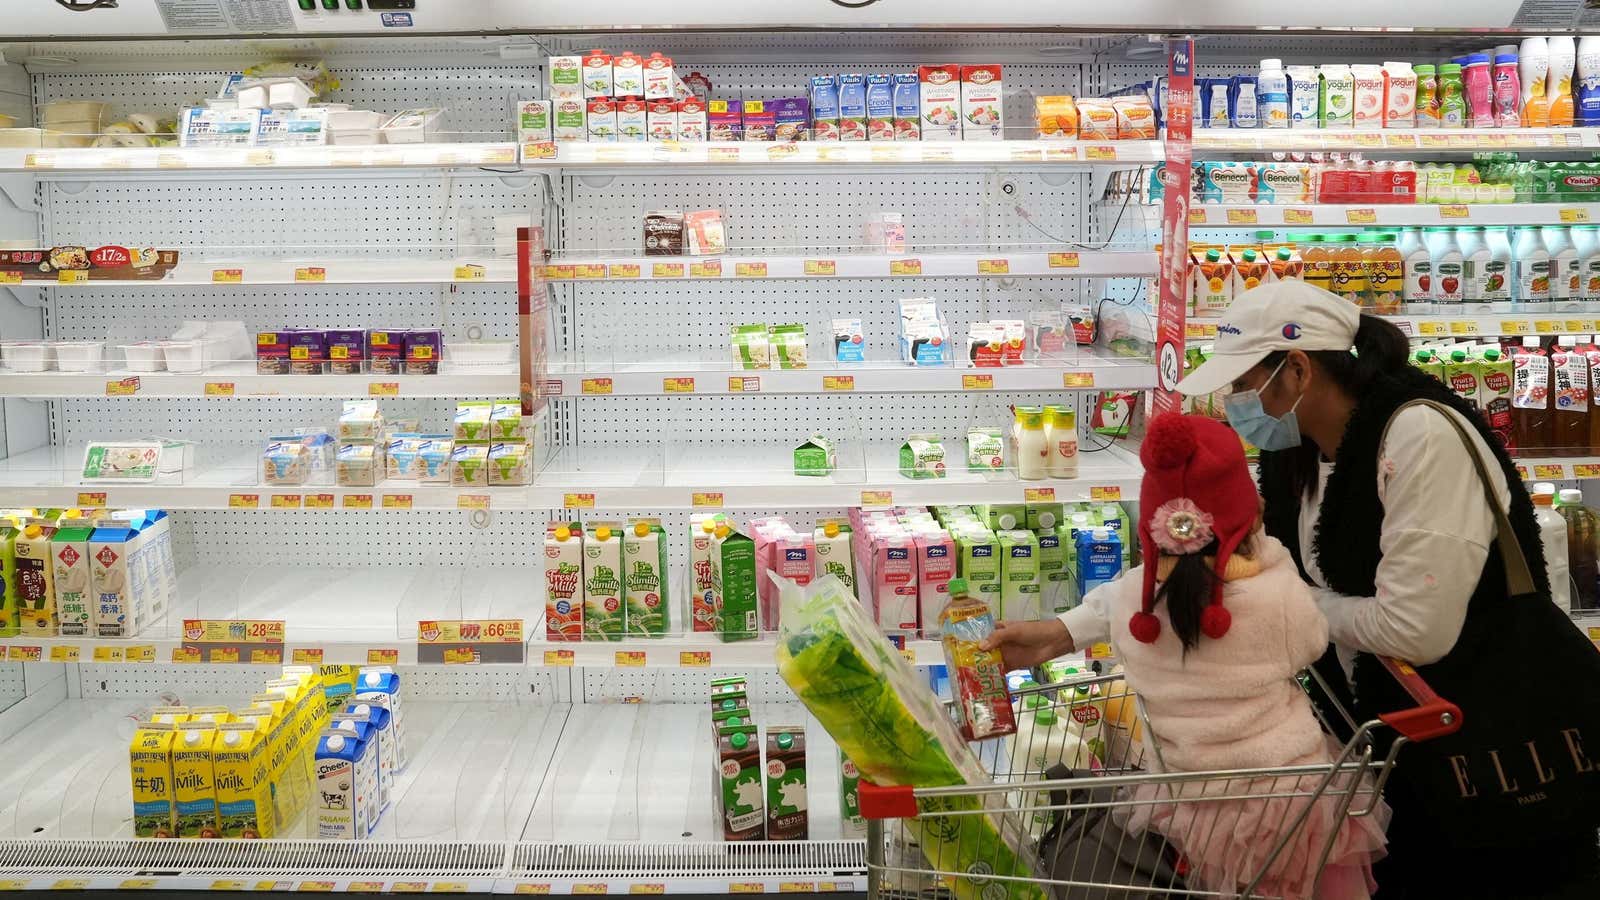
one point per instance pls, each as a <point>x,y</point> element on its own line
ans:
<point>492,445</point>
<point>358,755</point>
<point>746,811</point>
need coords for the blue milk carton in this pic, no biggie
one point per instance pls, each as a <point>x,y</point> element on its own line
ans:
<point>382,725</point>
<point>1099,558</point>
<point>347,785</point>
<point>380,686</point>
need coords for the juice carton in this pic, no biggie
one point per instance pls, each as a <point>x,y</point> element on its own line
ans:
<point>1099,554</point>
<point>380,686</point>
<point>982,106</point>
<point>907,107</point>
<point>194,792</point>
<point>1461,377</point>
<point>936,565</point>
<point>1019,575</point>
<point>825,108</point>
<point>566,77</point>
<point>851,823</point>
<point>978,564</point>
<point>977,677</point>
<point>338,686</point>
<point>739,783</point>
<point>692,123</point>
<point>347,786</point>
<point>880,107</point>
<point>644,553</point>
<point>150,767</point>
<point>733,580</point>
<point>703,595</point>
<point>894,582</point>
<point>853,107</point>
<point>1494,390</point>
<point>1249,268</point>
<point>604,616</point>
<point>244,790</point>
<point>563,580</point>
<point>34,581</point>
<point>786,784</point>
<point>597,80</point>
<point>69,548</point>
<point>1213,282</point>
<point>834,554</point>
<point>939,90</point>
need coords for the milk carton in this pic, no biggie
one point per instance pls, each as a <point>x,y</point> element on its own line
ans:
<point>880,107</point>
<point>939,95</point>
<point>1055,577</point>
<point>703,596</point>
<point>244,789</point>
<point>563,582</point>
<point>566,77</point>
<point>644,560</point>
<point>1099,552</point>
<point>10,618</point>
<point>362,726</point>
<point>35,581</point>
<point>739,782</point>
<point>978,561</point>
<point>604,616</point>
<point>347,786</point>
<point>113,580</point>
<point>150,768</point>
<point>1019,576</point>
<point>338,686</point>
<point>193,792</point>
<point>936,565</point>
<point>733,580</point>
<point>382,722</point>
<point>794,558</point>
<point>853,107</point>
<point>851,823</point>
<point>894,582</point>
<point>834,554</point>
<point>787,809</point>
<point>379,686</point>
<point>982,104</point>
<point>74,603</point>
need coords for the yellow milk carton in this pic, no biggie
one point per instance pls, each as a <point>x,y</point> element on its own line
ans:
<point>150,768</point>
<point>194,791</point>
<point>338,686</point>
<point>244,790</point>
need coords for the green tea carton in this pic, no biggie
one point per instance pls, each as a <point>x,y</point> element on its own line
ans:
<point>978,561</point>
<point>150,768</point>
<point>816,456</point>
<point>787,818</point>
<point>644,563</point>
<point>739,803</point>
<point>1019,575</point>
<point>922,456</point>
<point>604,615</point>
<point>851,823</point>
<point>733,578</point>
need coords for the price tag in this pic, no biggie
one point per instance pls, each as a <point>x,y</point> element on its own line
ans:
<point>471,273</point>
<point>65,653</point>
<point>95,500</point>
<point>821,267</point>
<point>653,889</point>
<point>1297,216</point>
<point>589,271</point>
<point>528,888</point>
<point>460,657</point>
<point>1100,152</point>
<point>1039,495</point>
<point>382,656</point>
<point>1550,472</point>
<point>1573,214</point>
<point>470,631</point>
<point>1241,217</point>
<point>397,501</point>
<point>171,161</point>
<point>271,656</point>
<point>319,501</point>
<point>905,267</point>
<point>233,631</point>
<point>744,384</point>
<point>694,659</point>
<point>1462,141</point>
<point>10,277</point>
<point>410,887</point>
<point>630,659</point>
<point>1063,260</point>
<point>286,501</point>
<point>838,382</point>
<point>711,268</point>
<point>449,887</point>
<point>1100,651</point>
<point>596,386</point>
<point>560,272</point>
<point>72,276</point>
<point>877,498</point>
<point>307,656</point>
<point>310,274</point>
<point>364,887</point>
<point>1367,139</point>
<point>977,382</point>
<point>71,884</point>
<point>1106,494</point>
<point>186,655</point>
<point>750,269</point>
<point>142,653</point>
<point>1428,329</point>
<point>356,501</point>
<point>227,276</point>
<point>472,501</point>
<point>1197,215</point>
<point>109,654</point>
<point>219,389</point>
<point>1463,326</point>
<point>746,887</point>
<point>1516,326</point>
<point>1072,380</point>
<point>383,389</point>
<point>677,385</point>
<point>1363,216</point>
<point>559,658</point>
<point>590,887</point>
<point>994,267</point>
<point>577,501</point>
<point>1576,325</point>
<point>25,654</point>
<point>126,387</point>
<point>1546,326</point>
<point>1585,470</point>
<point>666,270</point>
<point>244,501</point>
<point>706,500</point>
<point>1455,211</point>
<point>228,885</point>
<point>137,884</point>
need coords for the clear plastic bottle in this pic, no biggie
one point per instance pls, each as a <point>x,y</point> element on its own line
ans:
<point>1061,437</point>
<point>1554,531</point>
<point>1385,274</point>
<point>1349,273</point>
<point>1583,566</point>
<point>1497,274</point>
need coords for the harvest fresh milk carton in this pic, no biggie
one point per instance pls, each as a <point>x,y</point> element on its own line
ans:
<point>1019,576</point>
<point>936,565</point>
<point>644,560</point>
<point>604,617</point>
<point>244,790</point>
<point>703,599</point>
<point>563,582</point>
<point>194,791</point>
<point>150,767</point>
<point>69,553</point>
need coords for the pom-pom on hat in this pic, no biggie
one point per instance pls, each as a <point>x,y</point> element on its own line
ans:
<point>1196,487</point>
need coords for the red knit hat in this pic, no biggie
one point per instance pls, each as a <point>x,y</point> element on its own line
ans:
<point>1196,487</point>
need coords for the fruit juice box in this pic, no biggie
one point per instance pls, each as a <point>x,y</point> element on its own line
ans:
<point>835,554</point>
<point>825,108</point>
<point>1099,555</point>
<point>733,579</point>
<point>703,596</point>
<point>786,784</point>
<point>1019,576</point>
<point>605,618</point>
<point>244,788</point>
<point>380,686</point>
<point>907,107</point>
<point>338,686</point>
<point>939,95</point>
<point>150,768</point>
<point>936,565</point>
<point>644,559</point>
<point>34,581</point>
<point>563,583</point>
<point>347,786</point>
<point>1055,577</point>
<point>977,677</point>
<point>69,549</point>
<point>194,792</point>
<point>851,823</point>
<point>978,561</point>
<point>982,105</point>
<point>383,726</point>
<point>894,582</point>
<point>853,107</point>
<point>880,107</point>
<point>739,801</point>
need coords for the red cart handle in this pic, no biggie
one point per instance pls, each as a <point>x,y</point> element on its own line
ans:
<point>890,802</point>
<point>1432,717</point>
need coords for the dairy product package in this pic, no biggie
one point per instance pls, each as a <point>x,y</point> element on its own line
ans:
<point>1055,575</point>
<point>1228,182</point>
<point>894,583</point>
<point>880,107</point>
<point>604,615</point>
<point>1400,95</point>
<point>936,565</point>
<point>978,562</point>
<point>852,107</point>
<point>150,769</point>
<point>1283,182</point>
<point>1019,576</point>
<point>787,809</point>
<point>834,554</point>
<point>922,456</point>
<point>569,119</point>
<point>733,578</point>
<point>563,577</point>
<point>347,786</point>
<point>793,558</point>
<point>1367,108</point>
<point>982,103</point>
<point>693,124</point>
<point>644,552</point>
<point>1338,97</point>
<point>907,107</point>
<point>852,825</point>
<point>565,74</point>
<point>240,755</point>
<point>702,597</point>
<point>597,80</point>
<point>939,93</point>
<point>74,603</point>
<point>194,800</point>
<point>1099,554</point>
<point>33,580</point>
<point>382,722</point>
<point>825,108</point>
<point>380,686</point>
<point>738,793</point>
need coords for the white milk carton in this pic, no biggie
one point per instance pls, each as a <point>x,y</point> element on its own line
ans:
<point>834,554</point>
<point>605,617</point>
<point>380,686</point>
<point>347,786</point>
<point>69,557</point>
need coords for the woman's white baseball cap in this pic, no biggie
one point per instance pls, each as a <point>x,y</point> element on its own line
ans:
<point>1283,315</point>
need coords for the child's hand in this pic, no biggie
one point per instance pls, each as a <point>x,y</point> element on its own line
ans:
<point>1024,645</point>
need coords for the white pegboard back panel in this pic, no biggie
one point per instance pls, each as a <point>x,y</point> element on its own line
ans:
<point>323,538</point>
<point>678,685</point>
<point>233,686</point>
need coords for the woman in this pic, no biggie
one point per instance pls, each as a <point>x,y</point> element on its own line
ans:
<point>1383,511</point>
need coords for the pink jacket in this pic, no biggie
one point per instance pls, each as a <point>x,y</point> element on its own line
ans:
<point>1231,704</point>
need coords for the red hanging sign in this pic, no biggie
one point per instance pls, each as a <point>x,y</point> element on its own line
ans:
<point>1179,108</point>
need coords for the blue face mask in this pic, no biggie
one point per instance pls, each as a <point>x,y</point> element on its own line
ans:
<point>1254,425</point>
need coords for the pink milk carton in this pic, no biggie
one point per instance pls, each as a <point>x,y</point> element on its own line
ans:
<point>794,556</point>
<point>936,565</point>
<point>766,533</point>
<point>894,582</point>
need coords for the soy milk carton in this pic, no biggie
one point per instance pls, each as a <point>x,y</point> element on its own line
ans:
<point>604,616</point>
<point>644,559</point>
<point>150,768</point>
<point>69,556</point>
<point>113,579</point>
<point>35,581</point>
<point>563,583</point>
<point>194,791</point>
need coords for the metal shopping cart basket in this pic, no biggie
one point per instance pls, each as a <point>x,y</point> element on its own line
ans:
<point>1085,811</point>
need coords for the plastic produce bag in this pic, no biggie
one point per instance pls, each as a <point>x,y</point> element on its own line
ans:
<point>896,732</point>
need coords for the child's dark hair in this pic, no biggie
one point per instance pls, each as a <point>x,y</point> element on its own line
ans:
<point>1188,588</point>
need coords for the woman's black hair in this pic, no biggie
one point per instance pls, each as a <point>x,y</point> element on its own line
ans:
<point>1381,350</point>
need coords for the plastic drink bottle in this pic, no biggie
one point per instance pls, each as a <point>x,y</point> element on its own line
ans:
<point>1533,65</point>
<point>1588,82</point>
<point>1417,271</point>
<point>1507,91</point>
<point>1558,85</point>
<point>1553,534</point>
<point>1427,96</point>
<point>1566,276</point>
<point>1272,95</point>
<point>1533,268</point>
<point>1583,568</point>
<point>1452,99</point>
<point>1479,82</point>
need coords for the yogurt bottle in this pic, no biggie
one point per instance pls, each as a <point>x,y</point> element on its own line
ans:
<point>1533,268</point>
<point>1449,269</point>
<point>1272,95</point>
<point>1479,84</point>
<point>1566,275</point>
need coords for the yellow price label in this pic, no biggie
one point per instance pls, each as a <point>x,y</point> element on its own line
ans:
<point>577,501</point>
<point>1073,380</point>
<point>364,887</point>
<point>1585,470</point>
<point>307,656</point>
<point>589,270</point>
<point>229,885</point>
<point>1364,216</point>
<point>1242,217</point>
<point>1063,260</point>
<point>747,887</point>
<point>286,501</point>
<point>681,384</point>
<point>1516,326</point>
<point>25,654</point>
<point>10,277</point>
<point>227,276</point>
<point>71,884</point>
<point>706,500</point>
<point>310,274</point>
<point>1298,216</point>
<point>1100,152</point>
<point>532,889</point>
<point>448,887</point>
<point>66,653</point>
<point>821,267</point>
<point>410,887</point>
<point>711,268</point>
<point>1433,328</point>
<point>244,501</point>
<point>186,655</point>
<point>109,654</point>
<point>471,272</point>
<point>125,387</point>
<point>72,276</point>
<point>597,386</point>
<point>750,269</point>
<point>137,884</point>
<point>383,389</point>
<point>470,631</point>
<point>472,501</point>
<point>877,498</point>
<point>838,382</point>
<point>590,887</point>
<point>1546,326</point>
<point>140,653</point>
<point>463,656</point>
<point>219,389</point>
<point>382,656</point>
<point>397,501</point>
<point>905,267</point>
<point>1550,472</point>
<point>1463,326</point>
<point>1105,493</point>
<point>1573,214</point>
<point>744,384</point>
<point>630,659</point>
<point>559,658</point>
<point>1367,139</point>
<point>319,501</point>
<point>1455,211</point>
<point>1039,495</point>
<point>1577,325</point>
<point>694,659</point>
<point>651,889</point>
<point>92,500</point>
<point>356,501</point>
<point>994,267</point>
<point>1197,215</point>
<point>624,270</point>
<point>1101,650</point>
<point>666,270</point>
<point>983,382</point>
<point>1522,472</point>
<point>561,272</point>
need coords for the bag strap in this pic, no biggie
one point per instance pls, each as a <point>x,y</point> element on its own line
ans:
<point>1519,577</point>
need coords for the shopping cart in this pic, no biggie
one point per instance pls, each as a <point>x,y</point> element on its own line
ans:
<point>1109,822</point>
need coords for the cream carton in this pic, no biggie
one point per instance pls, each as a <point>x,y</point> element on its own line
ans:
<point>936,565</point>
<point>533,121</point>
<point>658,78</point>
<point>703,599</point>
<point>692,123</point>
<point>835,554</point>
<point>194,791</point>
<point>604,616</point>
<point>347,786</point>
<point>600,115</point>
<point>69,555</point>
<point>563,582</point>
<point>150,769</point>
<point>566,77</point>
<point>1019,576</point>
<point>244,788</point>
<point>644,559</point>
<point>569,119</point>
<point>597,80</point>
<point>627,75</point>
<point>633,120</point>
<point>35,581</point>
<point>982,104</point>
<point>939,92</point>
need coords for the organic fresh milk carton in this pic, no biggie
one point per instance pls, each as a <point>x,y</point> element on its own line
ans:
<point>936,565</point>
<point>644,562</point>
<point>150,768</point>
<point>347,786</point>
<point>563,582</point>
<point>1019,576</point>
<point>834,554</point>
<point>194,793</point>
<point>604,617</point>
<point>787,809</point>
<point>739,803</point>
<point>978,561</point>
<point>383,726</point>
<point>244,790</point>
<point>10,620</point>
<point>1055,578</point>
<point>380,686</point>
<point>851,823</point>
<point>69,554</point>
<point>35,581</point>
<point>703,599</point>
<point>733,580</point>
<point>361,725</point>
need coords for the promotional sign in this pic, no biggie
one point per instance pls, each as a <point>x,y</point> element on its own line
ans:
<point>533,306</point>
<point>1174,224</point>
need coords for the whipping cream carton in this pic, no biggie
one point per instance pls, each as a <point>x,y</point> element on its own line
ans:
<point>658,79</point>
<point>692,123</point>
<point>601,118</point>
<point>633,120</point>
<point>569,119</point>
<point>627,75</point>
<point>604,616</point>
<point>939,95</point>
<point>982,104</point>
<point>661,120</point>
<point>597,80</point>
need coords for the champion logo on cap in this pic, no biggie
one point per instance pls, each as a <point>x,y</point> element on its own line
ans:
<point>1225,328</point>
<point>1292,331</point>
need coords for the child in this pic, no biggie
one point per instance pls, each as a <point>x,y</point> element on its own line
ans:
<point>1212,630</point>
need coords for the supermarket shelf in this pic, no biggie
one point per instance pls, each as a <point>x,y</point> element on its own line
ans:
<point>1395,140</point>
<point>670,155</point>
<point>241,380</point>
<point>1238,215</point>
<point>462,158</point>
<point>249,272</point>
<point>999,263</point>
<point>1454,325</point>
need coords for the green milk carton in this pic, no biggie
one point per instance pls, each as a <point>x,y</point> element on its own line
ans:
<point>1019,576</point>
<point>733,577</point>
<point>1055,579</point>
<point>978,558</point>
<point>10,592</point>
<point>644,563</point>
